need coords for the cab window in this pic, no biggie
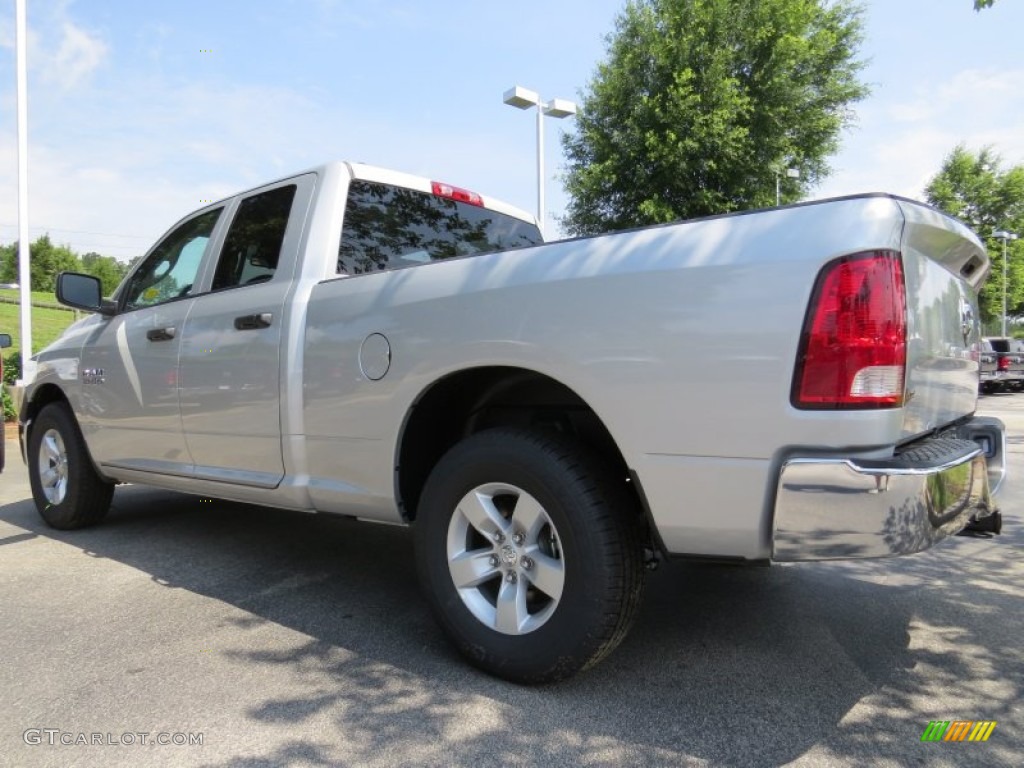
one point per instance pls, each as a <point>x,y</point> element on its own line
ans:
<point>252,247</point>
<point>388,227</point>
<point>170,270</point>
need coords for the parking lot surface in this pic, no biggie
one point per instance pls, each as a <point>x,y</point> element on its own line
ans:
<point>283,639</point>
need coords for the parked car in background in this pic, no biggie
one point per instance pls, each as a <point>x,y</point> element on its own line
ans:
<point>988,368</point>
<point>5,342</point>
<point>1008,357</point>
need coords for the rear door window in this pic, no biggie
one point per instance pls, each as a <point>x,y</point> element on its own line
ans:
<point>252,247</point>
<point>388,227</point>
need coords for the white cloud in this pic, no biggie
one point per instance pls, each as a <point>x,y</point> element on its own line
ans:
<point>974,89</point>
<point>901,143</point>
<point>78,55</point>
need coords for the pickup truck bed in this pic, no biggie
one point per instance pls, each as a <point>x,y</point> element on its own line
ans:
<point>780,385</point>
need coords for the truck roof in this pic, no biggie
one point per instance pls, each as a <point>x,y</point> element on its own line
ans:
<point>366,172</point>
<point>374,173</point>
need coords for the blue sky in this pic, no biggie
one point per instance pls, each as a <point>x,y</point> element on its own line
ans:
<point>132,123</point>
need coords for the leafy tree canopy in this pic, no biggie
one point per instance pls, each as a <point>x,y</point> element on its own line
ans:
<point>978,190</point>
<point>108,269</point>
<point>47,260</point>
<point>700,103</point>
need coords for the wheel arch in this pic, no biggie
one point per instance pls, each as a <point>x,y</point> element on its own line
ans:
<point>43,395</point>
<point>462,403</point>
<point>39,398</point>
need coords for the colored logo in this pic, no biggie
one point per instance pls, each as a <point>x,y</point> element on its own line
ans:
<point>958,730</point>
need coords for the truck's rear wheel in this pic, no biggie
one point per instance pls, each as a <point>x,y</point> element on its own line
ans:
<point>65,486</point>
<point>529,552</point>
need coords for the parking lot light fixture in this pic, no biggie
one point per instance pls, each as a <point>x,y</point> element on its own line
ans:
<point>791,173</point>
<point>1002,234</point>
<point>523,98</point>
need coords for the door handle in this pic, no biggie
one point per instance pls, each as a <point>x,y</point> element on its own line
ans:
<point>253,322</point>
<point>161,334</point>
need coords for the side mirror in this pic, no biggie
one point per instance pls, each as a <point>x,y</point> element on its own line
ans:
<point>5,340</point>
<point>82,292</point>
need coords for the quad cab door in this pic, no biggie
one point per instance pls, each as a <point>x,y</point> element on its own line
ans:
<point>129,366</point>
<point>230,358</point>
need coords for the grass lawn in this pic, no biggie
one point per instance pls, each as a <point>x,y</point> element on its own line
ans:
<point>43,297</point>
<point>47,324</point>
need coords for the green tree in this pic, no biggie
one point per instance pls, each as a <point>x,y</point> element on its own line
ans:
<point>979,4</point>
<point>976,189</point>
<point>108,269</point>
<point>700,103</point>
<point>9,263</point>
<point>46,261</point>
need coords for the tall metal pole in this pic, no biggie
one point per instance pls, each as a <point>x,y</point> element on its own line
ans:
<point>540,164</point>
<point>523,98</point>
<point>1005,238</point>
<point>24,275</point>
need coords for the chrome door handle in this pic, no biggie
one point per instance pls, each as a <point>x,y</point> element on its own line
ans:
<point>253,322</point>
<point>161,334</point>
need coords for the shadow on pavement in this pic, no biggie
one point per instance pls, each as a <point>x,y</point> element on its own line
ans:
<point>723,662</point>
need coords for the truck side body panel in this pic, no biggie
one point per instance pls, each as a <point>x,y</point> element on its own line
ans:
<point>681,338</point>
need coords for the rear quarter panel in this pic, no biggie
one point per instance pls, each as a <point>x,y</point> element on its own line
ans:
<point>682,338</point>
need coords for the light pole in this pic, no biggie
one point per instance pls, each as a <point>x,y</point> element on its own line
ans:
<point>521,98</point>
<point>24,274</point>
<point>1002,234</point>
<point>791,173</point>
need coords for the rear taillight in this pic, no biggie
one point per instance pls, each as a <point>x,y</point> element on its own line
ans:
<point>456,193</point>
<point>1004,363</point>
<point>853,351</point>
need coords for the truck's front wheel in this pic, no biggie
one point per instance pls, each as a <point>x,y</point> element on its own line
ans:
<point>66,487</point>
<point>529,552</point>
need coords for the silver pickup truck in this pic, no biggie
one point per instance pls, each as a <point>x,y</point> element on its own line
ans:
<point>790,384</point>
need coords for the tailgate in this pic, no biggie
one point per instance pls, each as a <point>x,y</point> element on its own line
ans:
<point>944,266</point>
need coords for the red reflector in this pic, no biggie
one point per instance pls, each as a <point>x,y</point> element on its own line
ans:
<point>1004,363</point>
<point>853,351</point>
<point>456,193</point>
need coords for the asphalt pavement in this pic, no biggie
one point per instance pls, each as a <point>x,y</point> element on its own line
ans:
<point>245,636</point>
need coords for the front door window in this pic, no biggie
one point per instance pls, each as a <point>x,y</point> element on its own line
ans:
<point>170,270</point>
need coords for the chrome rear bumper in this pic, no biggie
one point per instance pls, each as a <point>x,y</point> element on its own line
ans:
<point>829,508</point>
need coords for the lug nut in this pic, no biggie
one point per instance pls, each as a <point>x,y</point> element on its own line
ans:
<point>510,577</point>
<point>499,536</point>
<point>518,539</point>
<point>493,561</point>
<point>527,563</point>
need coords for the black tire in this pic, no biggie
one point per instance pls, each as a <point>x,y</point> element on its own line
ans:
<point>86,496</point>
<point>597,542</point>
